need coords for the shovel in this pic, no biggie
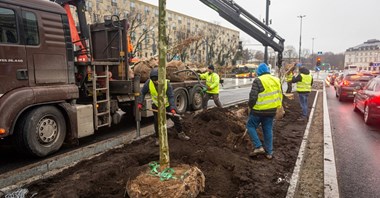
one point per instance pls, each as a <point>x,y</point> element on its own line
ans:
<point>241,138</point>
<point>167,113</point>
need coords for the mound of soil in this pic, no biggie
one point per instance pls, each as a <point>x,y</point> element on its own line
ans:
<point>228,169</point>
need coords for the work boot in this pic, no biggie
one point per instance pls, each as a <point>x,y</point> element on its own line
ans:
<point>183,136</point>
<point>302,119</point>
<point>257,151</point>
<point>269,156</point>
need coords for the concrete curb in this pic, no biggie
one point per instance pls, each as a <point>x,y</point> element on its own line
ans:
<point>330,176</point>
<point>293,183</point>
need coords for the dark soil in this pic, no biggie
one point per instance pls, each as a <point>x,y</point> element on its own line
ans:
<point>229,171</point>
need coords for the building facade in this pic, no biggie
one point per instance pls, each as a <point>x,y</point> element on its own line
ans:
<point>365,56</point>
<point>189,39</point>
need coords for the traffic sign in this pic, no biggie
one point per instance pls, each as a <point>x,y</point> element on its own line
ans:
<point>319,53</point>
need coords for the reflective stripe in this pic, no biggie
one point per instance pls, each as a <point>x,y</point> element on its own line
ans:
<point>268,101</point>
<point>269,94</point>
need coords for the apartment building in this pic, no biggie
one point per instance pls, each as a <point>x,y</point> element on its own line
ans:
<point>189,39</point>
<point>365,56</point>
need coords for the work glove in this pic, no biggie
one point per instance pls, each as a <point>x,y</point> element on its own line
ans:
<point>139,106</point>
<point>209,88</point>
<point>173,112</point>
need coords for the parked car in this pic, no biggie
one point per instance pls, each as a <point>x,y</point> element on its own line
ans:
<point>350,84</point>
<point>367,101</point>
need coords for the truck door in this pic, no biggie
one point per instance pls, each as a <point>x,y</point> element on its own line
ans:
<point>45,47</point>
<point>13,64</point>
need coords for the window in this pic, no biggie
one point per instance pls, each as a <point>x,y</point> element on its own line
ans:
<point>8,28</point>
<point>30,28</point>
<point>371,85</point>
<point>377,86</point>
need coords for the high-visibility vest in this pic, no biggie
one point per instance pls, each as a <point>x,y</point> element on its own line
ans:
<point>289,77</point>
<point>212,80</point>
<point>271,97</point>
<point>154,93</point>
<point>305,84</point>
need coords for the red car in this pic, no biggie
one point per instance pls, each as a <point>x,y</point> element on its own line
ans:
<point>350,84</point>
<point>367,101</point>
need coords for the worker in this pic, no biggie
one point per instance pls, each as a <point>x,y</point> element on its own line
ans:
<point>264,99</point>
<point>289,78</point>
<point>212,87</point>
<point>304,82</point>
<point>151,87</point>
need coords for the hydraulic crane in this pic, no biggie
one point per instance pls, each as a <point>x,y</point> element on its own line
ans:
<point>242,19</point>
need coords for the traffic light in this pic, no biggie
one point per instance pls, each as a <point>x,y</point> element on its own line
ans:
<point>318,61</point>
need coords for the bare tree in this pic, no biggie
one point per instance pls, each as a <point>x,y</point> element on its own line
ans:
<point>141,30</point>
<point>290,54</point>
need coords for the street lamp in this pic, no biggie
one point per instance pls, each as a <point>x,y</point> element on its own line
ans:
<point>299,52</point>
<point>312,52</point>
<point>266,23</point>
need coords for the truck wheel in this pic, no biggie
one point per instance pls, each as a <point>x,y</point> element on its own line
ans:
<point>196,98</point>
<point>180,100</point>
<point>41,131</point>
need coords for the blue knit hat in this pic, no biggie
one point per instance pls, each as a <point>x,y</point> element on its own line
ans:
<point>263,68</point>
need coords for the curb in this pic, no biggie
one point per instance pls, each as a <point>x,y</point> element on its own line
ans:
<point>330,177</point>
<point>293,183</point>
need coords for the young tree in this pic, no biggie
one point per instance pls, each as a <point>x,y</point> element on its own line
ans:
<point>162,129</point>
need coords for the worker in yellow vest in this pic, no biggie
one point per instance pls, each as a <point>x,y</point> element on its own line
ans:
<point>264,99</point>
<point>289,78</point>
<point>304,82</point>
<point>212,83</point>
<point>151,86</point>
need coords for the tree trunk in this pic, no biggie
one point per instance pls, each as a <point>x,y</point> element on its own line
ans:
<point>162,127</point>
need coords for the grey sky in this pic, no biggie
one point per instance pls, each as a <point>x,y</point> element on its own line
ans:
<point>336,25</point>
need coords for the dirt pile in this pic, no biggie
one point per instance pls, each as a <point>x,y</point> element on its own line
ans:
<point>229,171</point>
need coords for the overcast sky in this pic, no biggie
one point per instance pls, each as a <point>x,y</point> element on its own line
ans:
<point>336,25</point>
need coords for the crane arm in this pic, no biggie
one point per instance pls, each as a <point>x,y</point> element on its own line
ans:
<point>242,19</point>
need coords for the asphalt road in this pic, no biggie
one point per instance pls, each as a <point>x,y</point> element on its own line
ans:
<point>356,148</point>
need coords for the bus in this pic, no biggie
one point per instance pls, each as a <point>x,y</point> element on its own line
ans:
<point>245,71</point>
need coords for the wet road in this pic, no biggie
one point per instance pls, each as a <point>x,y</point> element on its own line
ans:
<point>357,148</point>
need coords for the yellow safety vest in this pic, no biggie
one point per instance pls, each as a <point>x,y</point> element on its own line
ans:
<point>289,77</point>
<point>271,97</point>
<point>212,81</point>
<point>154,93</point>
<point>305,84</point>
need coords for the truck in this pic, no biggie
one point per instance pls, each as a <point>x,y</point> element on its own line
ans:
<point>60,83</point>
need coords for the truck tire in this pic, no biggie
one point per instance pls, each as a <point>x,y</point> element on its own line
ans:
<point>180,100</point>
<point>41,131</point>
<point>196,98</point>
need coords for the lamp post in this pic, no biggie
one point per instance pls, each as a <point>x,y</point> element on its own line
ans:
<point>299,52</point>
<point>312,51</point>
<point>266,23</point>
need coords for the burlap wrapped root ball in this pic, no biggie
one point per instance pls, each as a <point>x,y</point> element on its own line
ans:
<point>188,182</point>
